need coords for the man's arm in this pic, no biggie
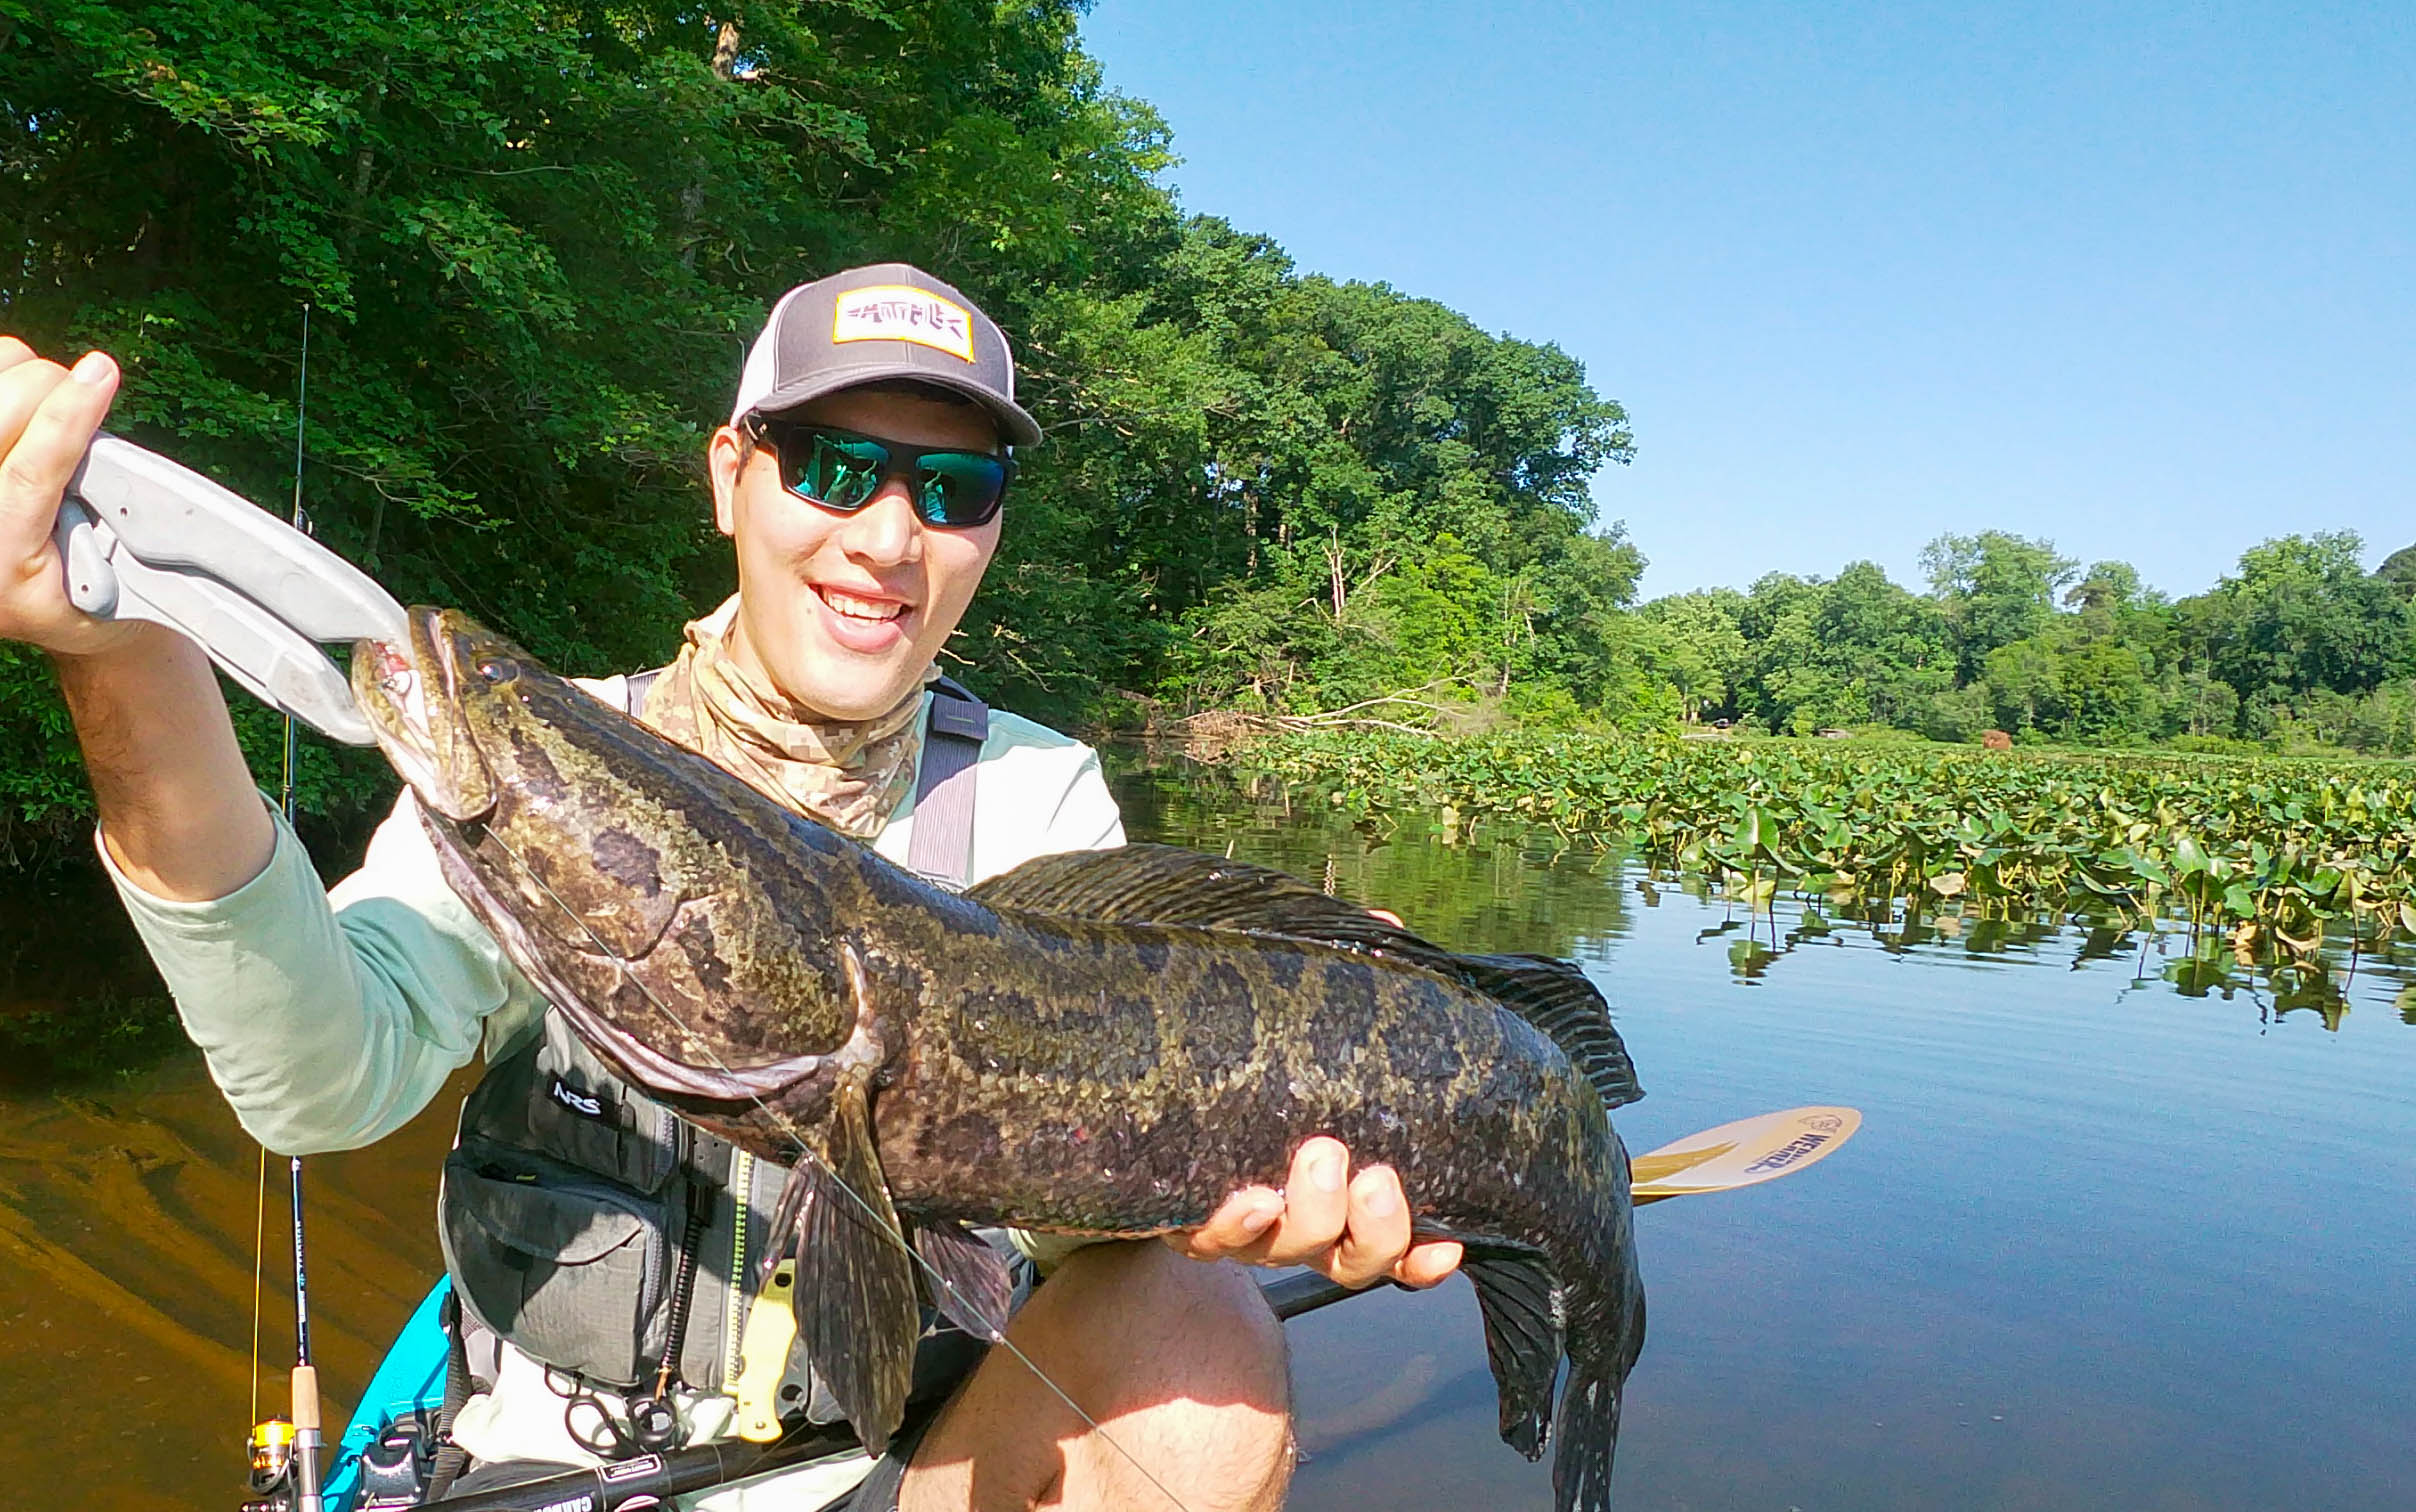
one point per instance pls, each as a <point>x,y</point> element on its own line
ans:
<point>324,1031</point>
<point>179,813</point>
<point>329,1020</point>
<point>176,801</point>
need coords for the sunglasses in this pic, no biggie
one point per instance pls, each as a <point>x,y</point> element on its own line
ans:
<point>843,469</point>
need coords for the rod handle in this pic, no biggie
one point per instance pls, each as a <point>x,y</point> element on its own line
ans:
<point>306,1399</point>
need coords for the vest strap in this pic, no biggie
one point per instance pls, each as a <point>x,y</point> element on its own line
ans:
<point>942,843</point>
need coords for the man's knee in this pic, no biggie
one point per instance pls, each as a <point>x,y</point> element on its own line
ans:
<point>1179,1365</point>
<point>1189,1364</point>
<point>1140,1315</point>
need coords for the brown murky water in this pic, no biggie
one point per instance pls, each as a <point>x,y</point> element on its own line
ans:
<point>126,1264</point>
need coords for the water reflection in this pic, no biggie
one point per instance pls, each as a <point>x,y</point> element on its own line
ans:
<point>1504,888</point>
<point>1513,890</point>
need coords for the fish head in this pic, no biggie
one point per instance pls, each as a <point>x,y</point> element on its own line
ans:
<point>457,709</point>
<point>569,830</point>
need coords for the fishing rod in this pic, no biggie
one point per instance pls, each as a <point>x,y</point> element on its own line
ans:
<point>287,1452</point>
<point>307,1440</point>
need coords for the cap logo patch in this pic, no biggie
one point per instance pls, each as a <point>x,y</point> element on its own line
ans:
<point>899,312</point>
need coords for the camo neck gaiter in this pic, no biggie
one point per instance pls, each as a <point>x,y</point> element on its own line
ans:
<point>849,774</point>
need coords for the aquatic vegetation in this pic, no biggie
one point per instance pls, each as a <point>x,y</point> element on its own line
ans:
<point>106,1034</point>
<point>2276,852</point>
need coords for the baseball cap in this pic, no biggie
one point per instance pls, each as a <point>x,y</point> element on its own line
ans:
<point>867,325</point>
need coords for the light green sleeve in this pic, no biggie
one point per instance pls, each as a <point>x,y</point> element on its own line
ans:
<point>330,1018</point>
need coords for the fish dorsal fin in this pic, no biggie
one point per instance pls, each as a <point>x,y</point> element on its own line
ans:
<point>1556,997</point>
<point>1164,884</point>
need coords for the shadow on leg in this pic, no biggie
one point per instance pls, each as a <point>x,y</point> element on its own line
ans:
<point>1179,1362</point>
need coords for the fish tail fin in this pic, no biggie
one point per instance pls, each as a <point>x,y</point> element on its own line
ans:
<point>1521,1301</point>
<point>1589,1432</point>
<point>1606,1333</point>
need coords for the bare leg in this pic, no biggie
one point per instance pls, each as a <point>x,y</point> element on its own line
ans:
<point>1180,1363</point>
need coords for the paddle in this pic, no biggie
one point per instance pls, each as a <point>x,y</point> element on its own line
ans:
<point>1741,1154</point>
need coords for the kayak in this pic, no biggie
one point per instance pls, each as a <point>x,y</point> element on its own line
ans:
<point>408,1388</point>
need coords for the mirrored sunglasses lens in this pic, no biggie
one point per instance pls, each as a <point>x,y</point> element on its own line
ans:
<point>960,488</point>
<point>840,471</point>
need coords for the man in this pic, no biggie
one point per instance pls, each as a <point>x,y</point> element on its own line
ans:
<point>860,481</point>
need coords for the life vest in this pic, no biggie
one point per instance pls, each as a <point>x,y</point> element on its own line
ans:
<point>597,1232</point>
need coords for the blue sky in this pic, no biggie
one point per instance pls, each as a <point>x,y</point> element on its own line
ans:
<point>2140,279</point>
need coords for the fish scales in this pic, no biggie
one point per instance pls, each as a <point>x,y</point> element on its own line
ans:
<point>1132,1111</point>
<point>1106,1043</point>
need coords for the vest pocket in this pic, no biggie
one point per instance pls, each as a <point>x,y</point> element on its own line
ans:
<point>571,1268</point>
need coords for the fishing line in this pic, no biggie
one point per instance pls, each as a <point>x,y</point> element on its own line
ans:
<point>880,1224</point>
<point>304,1396</point>
<point>285,803</point>
<point>259,1246</point>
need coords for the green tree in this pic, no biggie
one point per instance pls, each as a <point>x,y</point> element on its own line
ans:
<point>2400,568</point>
<point>2025,682</point>
<point>2301,614</point>
<point>1699,648</point>
<point>2104,690</point>
<point>1857,649</point>
<point>1995,589</point>
<point>1414,493</point>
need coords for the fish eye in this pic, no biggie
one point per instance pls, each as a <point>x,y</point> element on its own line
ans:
<point>496,670</point>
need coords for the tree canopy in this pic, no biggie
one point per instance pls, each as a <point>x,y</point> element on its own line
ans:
<point>535,236</point>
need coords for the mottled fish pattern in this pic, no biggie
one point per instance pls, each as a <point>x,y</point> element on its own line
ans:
<point>1105,1042</point>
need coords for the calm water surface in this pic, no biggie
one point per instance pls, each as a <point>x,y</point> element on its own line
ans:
<point>2122,1229</point>
<point>2100,1243</point>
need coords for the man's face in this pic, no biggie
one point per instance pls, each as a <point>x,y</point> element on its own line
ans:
<point>842,612</point>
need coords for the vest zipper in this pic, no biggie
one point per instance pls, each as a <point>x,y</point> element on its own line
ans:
<point>734,1295</point>
<point>683,1276</point>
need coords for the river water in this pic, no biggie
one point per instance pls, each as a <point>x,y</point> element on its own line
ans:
<point>2126,1225</point>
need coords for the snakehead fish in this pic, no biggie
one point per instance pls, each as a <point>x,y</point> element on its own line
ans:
<point>1105,1042</point>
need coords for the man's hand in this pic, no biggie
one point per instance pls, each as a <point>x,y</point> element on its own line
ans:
<point>1351,1229</point>
<point>47,419</point>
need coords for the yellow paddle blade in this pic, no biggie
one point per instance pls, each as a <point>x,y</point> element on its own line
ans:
<point>1743,1153</point>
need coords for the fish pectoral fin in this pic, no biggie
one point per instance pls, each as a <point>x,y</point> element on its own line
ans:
<point>973,1288</point>
<point>1556,997</point>
<point>857,1313</point>
<point>1525,1319</point>
<point>788,1215</point>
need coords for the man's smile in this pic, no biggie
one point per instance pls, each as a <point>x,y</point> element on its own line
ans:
<point>857,606</point>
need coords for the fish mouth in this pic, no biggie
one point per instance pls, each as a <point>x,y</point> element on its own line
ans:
<point>411,693</point>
